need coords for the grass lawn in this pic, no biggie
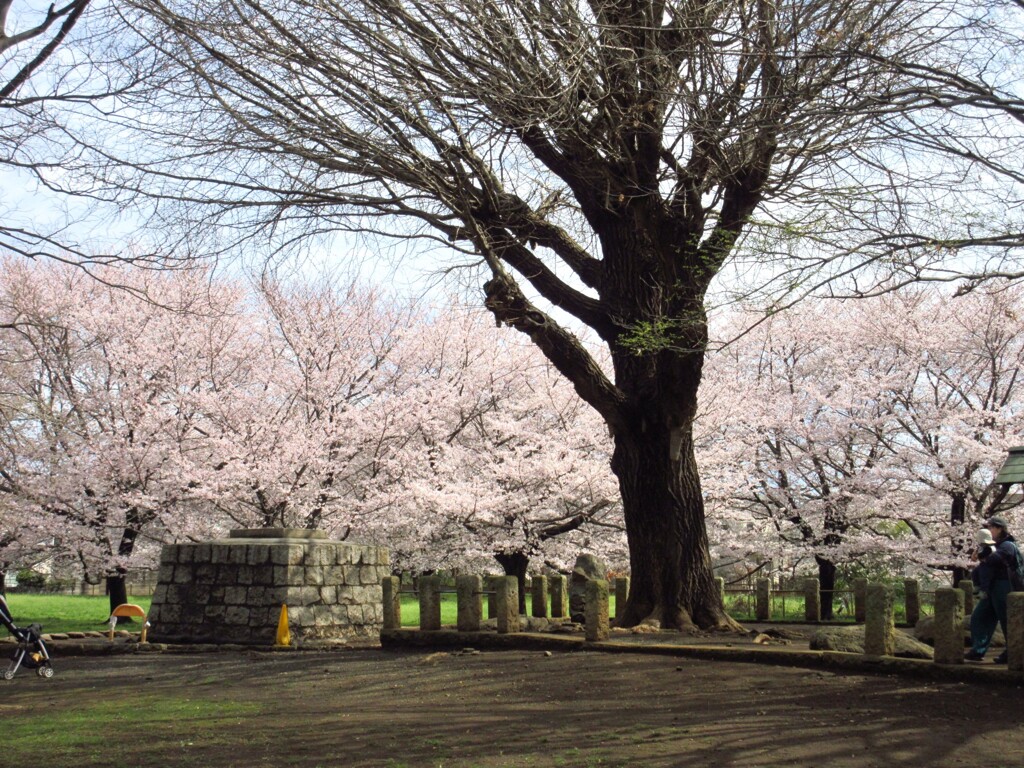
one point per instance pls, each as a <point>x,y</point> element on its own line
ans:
<point>67,613</point>
<point>77,613</point>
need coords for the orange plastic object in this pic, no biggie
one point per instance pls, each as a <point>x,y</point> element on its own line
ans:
<point>129,609</point>
<point>132,610</point>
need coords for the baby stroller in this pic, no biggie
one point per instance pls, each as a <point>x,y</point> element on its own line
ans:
<point>30,649</point>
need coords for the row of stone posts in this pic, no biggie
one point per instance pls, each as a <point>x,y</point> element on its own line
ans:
<point>951,605</point>
<point>503,602</point>
<point>555,590</point>
<point>811,590</point>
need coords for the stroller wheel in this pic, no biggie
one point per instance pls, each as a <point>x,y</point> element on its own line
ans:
<point>8,674</point>
<point>45,671</point>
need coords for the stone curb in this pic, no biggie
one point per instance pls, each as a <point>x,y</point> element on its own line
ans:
<point>832,660</point>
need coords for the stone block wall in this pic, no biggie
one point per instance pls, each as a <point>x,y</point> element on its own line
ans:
<point>232,590</point>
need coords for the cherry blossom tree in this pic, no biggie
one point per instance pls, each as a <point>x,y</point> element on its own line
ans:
<point>299,436</point>
<point>425,431</point>
<point>100,393</point>
<point>320,404</point>
<point>507,463</point>
<point>807,439</point>
<point>958,401</point>
<point>841,426</point>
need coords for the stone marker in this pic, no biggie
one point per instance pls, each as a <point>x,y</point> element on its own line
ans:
<point>587,568</point>
<point>539,596</point>
<point>878,621</point>
<point>507,603</point>
<point>860,587</point>
<point>948,626</point>
<point>391,586</point>
<point>469,595</point>
<point>812,600</point>
<point>912,601</point>
<point>430,603</point>
<point>596,613</point>
<point>621,595</point>
<point>491,585</point>
<point>558,585</point>
<point>763,599</point>
<point>1015,630</point>
<point>967,587</point>
<point>720,584</point>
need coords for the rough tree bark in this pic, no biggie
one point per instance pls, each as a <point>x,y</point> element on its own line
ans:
<point>957,519</point>
<point>116,583</point>
<point>827,585</point>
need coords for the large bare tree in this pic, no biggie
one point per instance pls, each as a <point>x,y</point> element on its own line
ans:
<point>27,42</point>
<point>609,158</point>
<point>52,63</point>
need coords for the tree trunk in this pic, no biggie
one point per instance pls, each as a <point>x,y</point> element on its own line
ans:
<point>827,585</point>
<point>670,560</point>
<point>515,564</point>
<point>117,590</point>
<point>652,281</point>
<point>957,518</point>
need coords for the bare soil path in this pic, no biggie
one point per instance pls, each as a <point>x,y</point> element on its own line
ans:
<point>491,709</point>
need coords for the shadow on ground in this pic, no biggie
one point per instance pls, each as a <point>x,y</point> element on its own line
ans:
<point>500,708</point>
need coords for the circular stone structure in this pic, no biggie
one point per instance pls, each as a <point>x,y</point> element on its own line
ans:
<point>231,590</point>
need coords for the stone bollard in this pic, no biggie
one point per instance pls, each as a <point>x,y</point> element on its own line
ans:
<point>912,601</point>
<point>470,597</point>
<point>812,600</point>
<point>878,621</point>
<point>949,626</point>
<point>539,596</point>
<point>720,585</point>
<point>621,596</point>
<point>559,589</point>
<point>860,587</point>
<point>1015,631</point>
<point>507,603</point>
<point>763,600</point>
<point>491,586</point>
<point>391,586</point>
<point>430,603</point>
<point>596,610</point>
<point>967,587</point>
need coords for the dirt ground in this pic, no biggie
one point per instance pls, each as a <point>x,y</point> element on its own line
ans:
<point>495,708</point>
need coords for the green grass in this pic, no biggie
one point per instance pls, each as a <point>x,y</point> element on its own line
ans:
<point>155,724</point>
<point>67,613</point>
<point>78,613</point>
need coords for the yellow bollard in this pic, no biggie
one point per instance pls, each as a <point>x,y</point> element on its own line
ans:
<point>284,635</point>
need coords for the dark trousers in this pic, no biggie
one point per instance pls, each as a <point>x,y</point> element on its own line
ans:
<point>987,614</point>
